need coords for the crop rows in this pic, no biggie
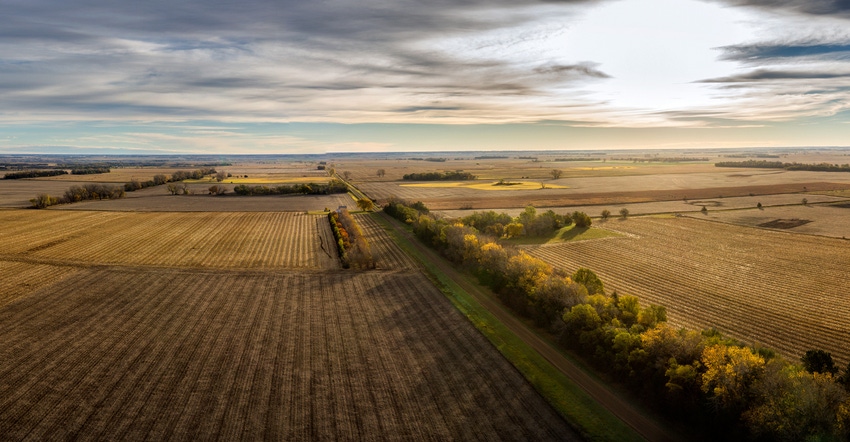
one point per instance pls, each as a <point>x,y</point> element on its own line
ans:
<point>384,250</point>
<point>776,289</point>
<point>132,353</point>
<point>255,240</point>
<point>18,279</point>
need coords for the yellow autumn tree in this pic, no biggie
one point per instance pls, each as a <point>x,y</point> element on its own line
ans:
<point>730,372</point>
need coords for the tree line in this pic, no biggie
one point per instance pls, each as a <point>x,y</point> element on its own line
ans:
<point>764,164</point>
<point>354,249</point>
<point>90,170</point>
<point>724,389</point>
<point>332,187</point>
<point>33,174</point>
<point>439,176</point>
<point>98,191</point>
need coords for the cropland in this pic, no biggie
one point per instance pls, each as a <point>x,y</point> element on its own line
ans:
<point>238,326</point>
<point>200,316</point>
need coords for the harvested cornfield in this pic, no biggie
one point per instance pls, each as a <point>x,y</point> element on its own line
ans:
<point>782,290</point>
<point>134,353</point>
<point>256,240</point>
<point>385,252</point>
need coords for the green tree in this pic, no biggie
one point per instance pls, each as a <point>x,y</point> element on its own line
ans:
<point>587,278</point>
<point>819,361</point>
<point>365,204</point>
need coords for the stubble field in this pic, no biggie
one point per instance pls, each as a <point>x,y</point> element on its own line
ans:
<point>236,326</point>
<point>777,289</point>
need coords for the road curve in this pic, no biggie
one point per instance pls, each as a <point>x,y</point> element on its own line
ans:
<point>644,426</point>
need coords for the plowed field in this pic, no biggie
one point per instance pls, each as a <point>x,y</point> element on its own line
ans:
<point>237,326</point>
<point>785,291</point>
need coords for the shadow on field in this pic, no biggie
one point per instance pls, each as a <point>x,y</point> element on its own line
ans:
<point>572,233</point>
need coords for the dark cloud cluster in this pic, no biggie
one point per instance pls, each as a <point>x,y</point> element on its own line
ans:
<point>270,58</point>
<point>768,75</point>
<point>816,7</point>
<point>778,51</point>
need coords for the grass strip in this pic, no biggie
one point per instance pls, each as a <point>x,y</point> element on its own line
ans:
<point>588,417</point>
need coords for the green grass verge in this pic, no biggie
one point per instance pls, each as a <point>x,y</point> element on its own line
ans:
<point>566,234</point>
<point>590,419</point>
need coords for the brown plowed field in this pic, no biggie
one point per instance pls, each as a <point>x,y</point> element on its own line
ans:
<point>238,326</point>
<point>118,354</point>
<point>781,290</point>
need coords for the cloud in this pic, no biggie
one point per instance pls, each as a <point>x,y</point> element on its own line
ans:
<point>769,75</point>
<point>762,52</point>
<point>575,70</point>
<point>815,7</point>
<point>275,60</point>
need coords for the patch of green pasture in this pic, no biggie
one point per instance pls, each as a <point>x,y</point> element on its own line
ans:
<point>566,234</point>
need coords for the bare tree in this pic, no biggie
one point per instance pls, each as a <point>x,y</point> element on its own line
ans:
<point>381,173</point>
<point>556,173</point>
<point>220,176</point>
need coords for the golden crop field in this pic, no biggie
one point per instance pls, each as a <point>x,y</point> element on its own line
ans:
<point>251,240</point>
<point>238,326</point>
<point>781,290</point>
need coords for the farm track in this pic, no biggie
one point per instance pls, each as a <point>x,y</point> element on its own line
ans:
<point>776,289</point>
<point>238,327</point>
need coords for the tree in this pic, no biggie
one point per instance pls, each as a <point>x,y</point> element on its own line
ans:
<point>587,278</point>
<point>581,219</point>
<point>730,373</point>
<point>605,214</point>
<point>43,200</point>
<point>173,188</point>
<point>365,204</point>
<point>159,179</point>
<point>346,175</point>
<point>220,176</point>
<point>704,210</point>
<point>758,205</point>
<point>381,173</point>
<point>556,173</point>
<point>819,361</point>
<point>805,201</point>
<point>624,213</point>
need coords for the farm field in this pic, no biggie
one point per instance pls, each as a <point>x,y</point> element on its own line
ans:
<point>715,205</point>
<point>158,199</point>
<point>250,240</point>
<point>777,289</point>
<point>236,326</point>
<point>611,190</point>
<point>149,354</point>
<point>819,219</point>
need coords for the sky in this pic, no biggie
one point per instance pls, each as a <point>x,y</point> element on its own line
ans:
<point>285,76</point>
